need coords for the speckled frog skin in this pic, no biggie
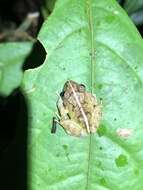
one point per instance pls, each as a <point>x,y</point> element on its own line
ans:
<point>80,113</point>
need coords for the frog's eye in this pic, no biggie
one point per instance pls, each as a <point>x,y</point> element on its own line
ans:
<point>82,88</point>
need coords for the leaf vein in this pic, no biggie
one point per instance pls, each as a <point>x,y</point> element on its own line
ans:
<point>123,60</point>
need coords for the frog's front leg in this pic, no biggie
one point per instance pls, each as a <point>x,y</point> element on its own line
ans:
<point>63,112</point>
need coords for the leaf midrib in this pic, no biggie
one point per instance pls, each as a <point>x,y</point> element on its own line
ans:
<point>91,34</point>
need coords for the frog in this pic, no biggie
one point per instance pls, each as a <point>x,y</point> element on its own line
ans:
<point>79,110</point>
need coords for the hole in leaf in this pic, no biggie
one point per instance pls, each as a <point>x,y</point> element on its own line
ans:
<point>36,57</point>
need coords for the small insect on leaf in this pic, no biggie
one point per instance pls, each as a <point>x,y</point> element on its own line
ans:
<point>54,125</point>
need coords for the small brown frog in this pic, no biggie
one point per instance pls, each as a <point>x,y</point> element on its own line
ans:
<point>80,113</point>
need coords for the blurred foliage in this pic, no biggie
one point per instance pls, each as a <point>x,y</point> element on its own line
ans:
<point>47,8</point>
<point>135,10</point>
<point>12,57</point>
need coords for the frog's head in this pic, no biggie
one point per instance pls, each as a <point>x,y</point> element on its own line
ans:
<point>76,86</point>
<point>67,90</point>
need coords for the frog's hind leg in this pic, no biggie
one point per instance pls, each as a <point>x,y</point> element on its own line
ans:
<point>73,129</point>
<point>63,112</point>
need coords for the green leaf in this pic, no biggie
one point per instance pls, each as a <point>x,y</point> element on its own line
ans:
<point>95,43</point>
<point>12,56</point>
